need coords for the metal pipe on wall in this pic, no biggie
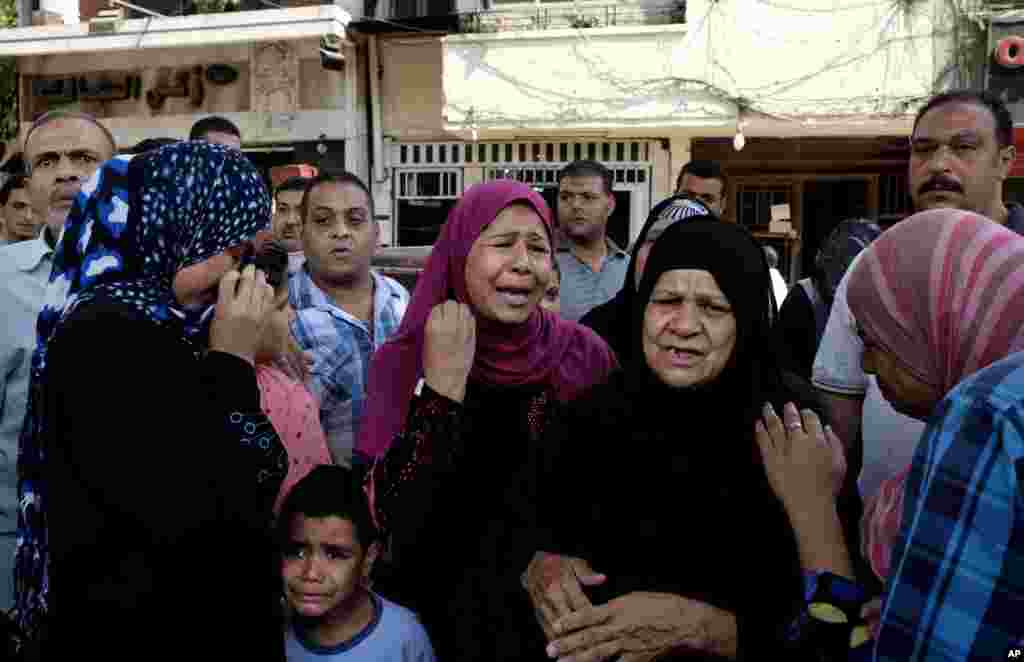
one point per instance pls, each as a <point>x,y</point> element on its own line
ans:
<point>377,146</point>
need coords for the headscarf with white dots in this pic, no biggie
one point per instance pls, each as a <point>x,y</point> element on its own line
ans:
<point>135,223</point>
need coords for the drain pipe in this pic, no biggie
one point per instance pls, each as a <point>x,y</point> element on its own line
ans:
<point>376,128</point>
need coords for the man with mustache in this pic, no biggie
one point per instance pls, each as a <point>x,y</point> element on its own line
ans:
<point>344,309</point>
<point>961,150</point>
<point>62,149</point>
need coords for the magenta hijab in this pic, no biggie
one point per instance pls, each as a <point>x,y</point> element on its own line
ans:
<point>545,349</point>
<point>943,292</point>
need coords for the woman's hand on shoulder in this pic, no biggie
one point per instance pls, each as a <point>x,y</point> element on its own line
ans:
<point>449,346</point>
<point>805,462</point>
<point>244,303</point>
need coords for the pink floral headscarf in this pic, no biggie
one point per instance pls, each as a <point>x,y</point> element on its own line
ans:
<point>943,293</point>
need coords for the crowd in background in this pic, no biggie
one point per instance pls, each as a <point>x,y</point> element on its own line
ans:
<point>225,435</point>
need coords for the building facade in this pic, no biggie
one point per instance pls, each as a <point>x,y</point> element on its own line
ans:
<point>807,104</point>
<point>266,71</point>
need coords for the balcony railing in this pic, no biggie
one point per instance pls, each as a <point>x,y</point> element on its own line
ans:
<point>552,16</point>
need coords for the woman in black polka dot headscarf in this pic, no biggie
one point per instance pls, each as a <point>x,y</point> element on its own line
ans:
<point>147,469</point>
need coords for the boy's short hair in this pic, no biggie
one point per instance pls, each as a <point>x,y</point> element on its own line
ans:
<point>328,491</point>
<point>213,123</point>
<point>13,183</point>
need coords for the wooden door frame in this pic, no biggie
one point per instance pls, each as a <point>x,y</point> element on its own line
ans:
<point>797,182</point>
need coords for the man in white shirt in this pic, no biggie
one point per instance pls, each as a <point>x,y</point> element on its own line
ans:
<point>961,152</point>
<point>62,149</point>
<point>779,287</point>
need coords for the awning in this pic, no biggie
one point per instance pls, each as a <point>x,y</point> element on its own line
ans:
<point>178,31</point>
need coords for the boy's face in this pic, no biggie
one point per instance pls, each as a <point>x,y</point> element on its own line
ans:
<point>325,566</point>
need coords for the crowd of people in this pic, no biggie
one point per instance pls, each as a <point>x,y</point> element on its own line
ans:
<point>225,435</point>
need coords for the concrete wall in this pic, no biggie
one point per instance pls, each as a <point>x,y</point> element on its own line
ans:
<point>807,58</point>
<point>411,88</point>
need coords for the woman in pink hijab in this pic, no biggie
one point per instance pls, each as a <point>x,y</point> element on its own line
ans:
<point>458,400</point>
<point>935,309</point>
<point>937,298</point>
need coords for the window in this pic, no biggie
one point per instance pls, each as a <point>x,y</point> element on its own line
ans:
<point>754,208</point>
<point>424,198</point>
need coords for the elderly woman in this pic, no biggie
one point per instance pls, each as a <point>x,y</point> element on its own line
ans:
<point>939,301</point>
<point>147,469</point>
<point>653,478</point>
<point>459,399</point>
<point>613,319</point>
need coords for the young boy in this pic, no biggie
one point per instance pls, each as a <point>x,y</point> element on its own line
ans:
<point>329,545</point>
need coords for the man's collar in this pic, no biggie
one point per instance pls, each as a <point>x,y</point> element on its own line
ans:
<point>315,297</point>
<point>26,255</point>
<point>613,248</point>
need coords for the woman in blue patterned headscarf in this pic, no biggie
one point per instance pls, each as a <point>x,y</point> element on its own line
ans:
<point>145,453</point>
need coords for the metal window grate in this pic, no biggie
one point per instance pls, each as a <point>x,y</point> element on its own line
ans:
<point>548,176</point>
<point>611,153</point>
<point>755,203</point>
<point>429,184</point>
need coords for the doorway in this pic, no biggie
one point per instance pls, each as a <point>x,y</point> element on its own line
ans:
<point>825,203</point>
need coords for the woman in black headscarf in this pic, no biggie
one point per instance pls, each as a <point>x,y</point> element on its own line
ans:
<point>654,478</point>
<point>147,469</point>
<point>613,319</point>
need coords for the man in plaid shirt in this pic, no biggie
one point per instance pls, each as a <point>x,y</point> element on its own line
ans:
<point>344,310</point>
